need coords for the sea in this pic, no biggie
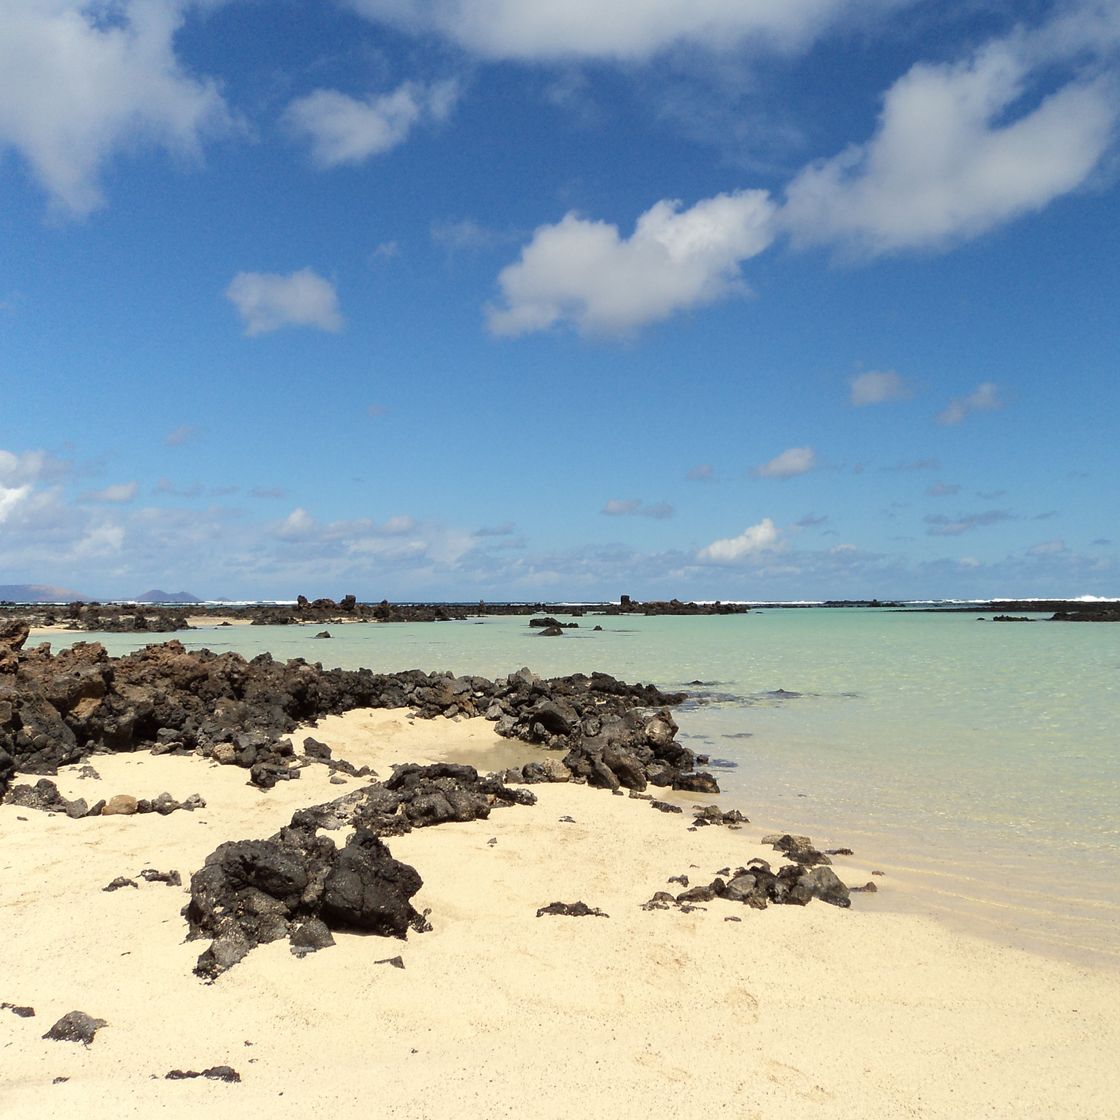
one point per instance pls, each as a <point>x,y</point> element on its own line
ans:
<point>975,764</point>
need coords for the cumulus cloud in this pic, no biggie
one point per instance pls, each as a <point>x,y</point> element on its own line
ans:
<point>705,472</point>
<point>960,149</point>
<point>267,301</point>
<point>113,495</point>
<point>10,498</point>
<point>585,273</point>
<point>31,466</point>
<point>942,526</point>
<point>343,129</point>
<point>755,539</point>
<point>80,81</point>
<point>793,461</point>
<point>549,29</point>
<point>635,507</point>
<point>878,387</point>
<point>298,524</point>
<point>984,398</point>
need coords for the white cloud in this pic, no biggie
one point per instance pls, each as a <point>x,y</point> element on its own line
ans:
<point>539,29</point>
<point>31,466</point>
<point>763,537</point>
<point>583,272</point>
<point>344,129</point>
<point>80,81</point>
<point>878,387</point>
<point>635,507</point>
<point>791,462</point>
<point>1053,547</point>
<point>297,525</point>
<point>956,153</point>
<point>704,472</point>
<point>101,541</point>
<point>398,525</point>
<point>10,498</point>
<point>984,398</point>
<point>113,495</point>
<point>267,301</point>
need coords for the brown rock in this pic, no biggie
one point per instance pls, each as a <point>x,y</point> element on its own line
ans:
<point>120,805</point>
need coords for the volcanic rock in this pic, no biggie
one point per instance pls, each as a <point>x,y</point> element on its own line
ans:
<point>75,1026</point>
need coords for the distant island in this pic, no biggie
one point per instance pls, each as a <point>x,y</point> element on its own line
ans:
<point>167,597</point>
<point>38,593</point>
<point>46,593</point>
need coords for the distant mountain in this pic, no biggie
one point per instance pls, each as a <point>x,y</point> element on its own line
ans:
<point>39,593</point>
<point>167,597</point>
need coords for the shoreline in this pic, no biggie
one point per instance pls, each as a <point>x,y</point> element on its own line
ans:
<point>846,1013</point>
<point>1011,895</point>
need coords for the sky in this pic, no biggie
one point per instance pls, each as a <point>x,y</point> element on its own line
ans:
<point>560,299</point>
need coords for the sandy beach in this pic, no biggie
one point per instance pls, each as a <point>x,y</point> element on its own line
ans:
<point>790,1011</point>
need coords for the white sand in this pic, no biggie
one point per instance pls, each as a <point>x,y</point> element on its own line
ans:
<point>788,1013</point>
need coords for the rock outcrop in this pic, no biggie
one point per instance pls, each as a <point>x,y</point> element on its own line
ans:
<point>57,709</point>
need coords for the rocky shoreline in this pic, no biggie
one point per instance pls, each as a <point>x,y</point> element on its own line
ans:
<point>164,618</point>
<point>147,618</point>
<point>222,949</point>
<point>62,709</point>
<point>59,708</point>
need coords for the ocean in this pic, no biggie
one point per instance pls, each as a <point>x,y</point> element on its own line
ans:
<point>977,764</point>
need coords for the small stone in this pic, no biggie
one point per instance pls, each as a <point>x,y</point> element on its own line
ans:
<point>120,805</point>
<point>17,1009</point>
<point>309,937</point>
<point>396,962</point>
<point>171,878</point>
<point>222,1073</point>
<point>214,1073</point>
<point>121,881</point>
<point>75,1026</point>
<point>572,910</point>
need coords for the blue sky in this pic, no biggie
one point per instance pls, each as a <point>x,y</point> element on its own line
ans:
<point>522,298</point>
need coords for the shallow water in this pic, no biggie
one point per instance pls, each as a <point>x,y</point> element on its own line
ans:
<point>977,764</point>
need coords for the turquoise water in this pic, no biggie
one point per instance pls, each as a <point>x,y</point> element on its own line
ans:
<point>977,764</point>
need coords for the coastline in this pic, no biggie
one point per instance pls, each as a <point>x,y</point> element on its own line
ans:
<point>990,853</point>
<point>790,1010</point>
